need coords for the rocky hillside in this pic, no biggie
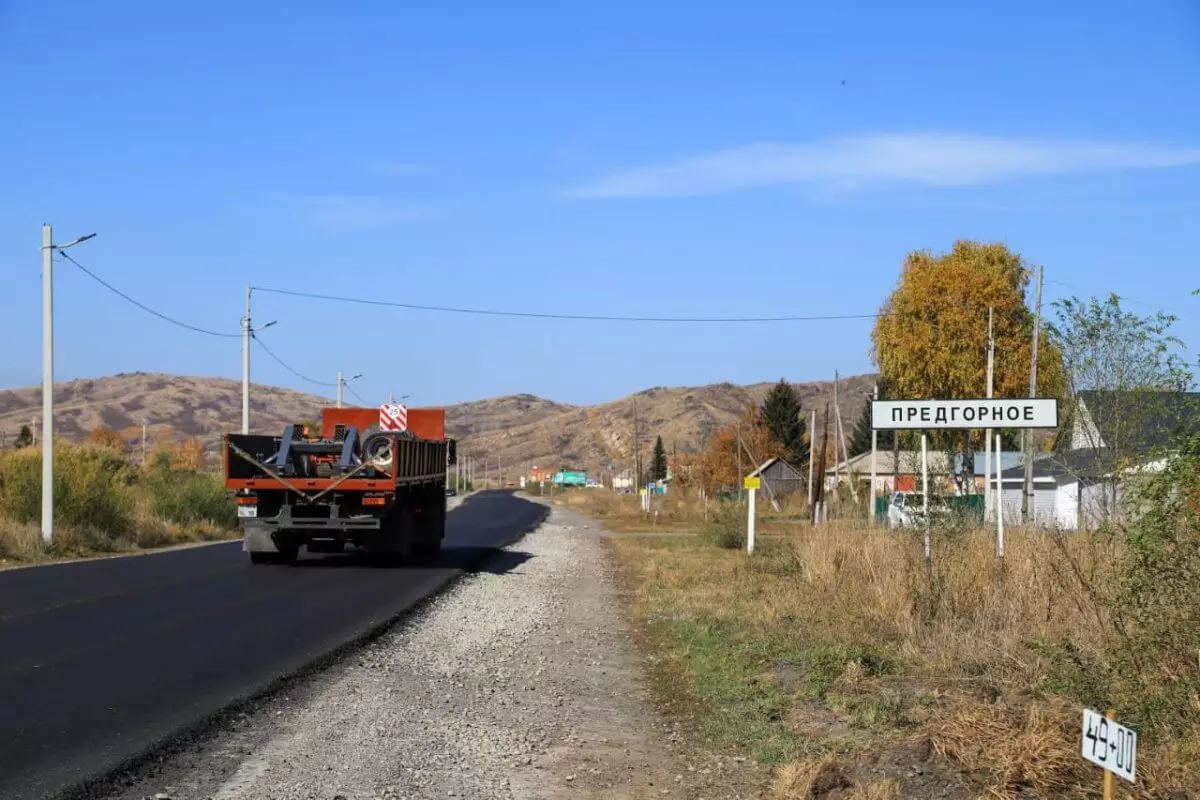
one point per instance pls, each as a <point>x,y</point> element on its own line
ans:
<point>182,405</point>
<point>592,437</point>
<point>518,429</point>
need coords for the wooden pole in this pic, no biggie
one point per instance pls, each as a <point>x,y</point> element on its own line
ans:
<point>820,491</point>
<point>1110,788</point>
<point>837,410</point>
<point>812,452</point>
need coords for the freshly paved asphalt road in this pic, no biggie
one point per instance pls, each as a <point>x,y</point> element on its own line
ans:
<point>101,660</point>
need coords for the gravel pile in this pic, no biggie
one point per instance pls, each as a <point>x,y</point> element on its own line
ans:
<point>518,682</point>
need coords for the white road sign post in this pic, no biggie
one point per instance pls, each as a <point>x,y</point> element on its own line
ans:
<point>1111,746</point>
<point>752,485</point>
<point>1036,412</point>
<point>925,415</point>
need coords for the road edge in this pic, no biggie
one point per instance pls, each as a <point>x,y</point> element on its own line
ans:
<point>102,782</point>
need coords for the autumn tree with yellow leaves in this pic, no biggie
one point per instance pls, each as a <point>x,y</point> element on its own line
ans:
<point>930,340</point>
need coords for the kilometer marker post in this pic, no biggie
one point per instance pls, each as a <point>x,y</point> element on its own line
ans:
<point>751,484</point>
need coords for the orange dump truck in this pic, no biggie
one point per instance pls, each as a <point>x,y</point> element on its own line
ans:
<point>370,480</point>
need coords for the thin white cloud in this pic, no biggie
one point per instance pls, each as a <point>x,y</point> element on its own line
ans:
<point>929,158</point>
<point>356,212</point>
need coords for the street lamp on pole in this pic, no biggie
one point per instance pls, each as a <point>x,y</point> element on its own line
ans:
<point>248,332</point>
<point>48,248</point>
<point>342,382</point>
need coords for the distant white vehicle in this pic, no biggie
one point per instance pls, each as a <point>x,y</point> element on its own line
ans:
<point>904,509</point>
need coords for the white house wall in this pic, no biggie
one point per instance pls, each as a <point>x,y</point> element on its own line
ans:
<point>1066,505</point>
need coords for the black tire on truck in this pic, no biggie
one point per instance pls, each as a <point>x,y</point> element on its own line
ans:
<point>392,544</point>
<point>432,528</point>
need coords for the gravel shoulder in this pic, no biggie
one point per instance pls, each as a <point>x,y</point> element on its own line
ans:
<point>521,681</point>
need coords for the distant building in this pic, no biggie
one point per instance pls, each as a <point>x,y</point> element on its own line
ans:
<point>541,475</point>
<point>780,476</point>
<point>1113,435</point>
<point>905,475</point>
<point>623,481</point>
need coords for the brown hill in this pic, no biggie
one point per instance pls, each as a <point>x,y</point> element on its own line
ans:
<point>520,430</point>
<point>187,406</point>
<point>593,437</point>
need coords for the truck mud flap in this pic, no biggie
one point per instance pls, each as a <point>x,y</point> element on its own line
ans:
<point>258,540</point>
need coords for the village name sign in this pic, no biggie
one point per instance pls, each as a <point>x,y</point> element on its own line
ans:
<point>1034,412</point>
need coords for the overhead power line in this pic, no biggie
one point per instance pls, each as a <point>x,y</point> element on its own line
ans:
<point>143,306</point>
<point>288,367</point>
<point>355,394</point>
<point>541,315</point>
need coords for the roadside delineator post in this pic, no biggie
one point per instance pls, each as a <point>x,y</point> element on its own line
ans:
<point>752,485</point>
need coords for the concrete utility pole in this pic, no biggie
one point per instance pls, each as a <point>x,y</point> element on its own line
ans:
<point>1027,503</point>
<point>246,366</point>
<point>342,381</point>
<point>48,248</point>
<point>47,384</point>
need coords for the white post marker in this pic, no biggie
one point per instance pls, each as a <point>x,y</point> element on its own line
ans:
<point>999,495</point>
<point>752,485</point>
<point>925,498</point>
<point>1109,745</point>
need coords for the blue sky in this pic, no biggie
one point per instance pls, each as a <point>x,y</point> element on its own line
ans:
<point>669,159</point>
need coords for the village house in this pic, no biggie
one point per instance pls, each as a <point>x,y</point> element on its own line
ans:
<point>1112,435</point>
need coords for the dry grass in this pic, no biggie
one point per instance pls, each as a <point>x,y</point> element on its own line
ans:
<point>1023,745</point>
<point>677,511</point>
<point>103,504</point>
<point>970,655</point>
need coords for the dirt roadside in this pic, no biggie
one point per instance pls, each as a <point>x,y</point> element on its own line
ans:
<point>522,681</point>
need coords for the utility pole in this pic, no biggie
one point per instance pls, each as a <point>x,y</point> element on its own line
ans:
<point>1027,504</point>
<point>637,451</point>
<point>48,248</point>
<point>819,500</point>
<point>339,389</point>
<point>874,445</point>
<point>812,452</point>
<point>247,334</point>
<point>738,430</point>
<point>987,435</point>
<point>842,432</point>
<point>47,384</point>
<point>246,366</point>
